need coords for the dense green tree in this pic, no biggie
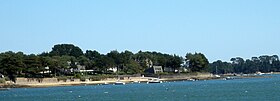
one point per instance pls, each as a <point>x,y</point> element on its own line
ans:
<point>82,60</point>
<point>92,55</point>
<point>238,64</point>
<point>133,67</point>
<point>197,62</point>
<point>262,63</point>
<point>144,59</point>
<point>126,57</point>
<point>104,63</point>
<point>116,56</point>
<point>33,65</point>
<point>174,62</point>
<point>54,64</point>
<point>249,67</point>
<point>44,54</point>
<point>11,64</point>
<point>66,49</point>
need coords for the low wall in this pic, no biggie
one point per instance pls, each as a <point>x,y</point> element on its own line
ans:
<point>35,80</point>
<point>195,75</point>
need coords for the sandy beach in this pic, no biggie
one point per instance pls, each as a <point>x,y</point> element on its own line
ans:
<point>112,81</point>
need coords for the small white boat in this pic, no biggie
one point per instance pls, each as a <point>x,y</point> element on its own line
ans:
<point>217,76</point>
<point>136,81</point>
<point>260,73</point>
<point>228,78</point>
<point>119,83</point>
<point>191,79</point>
<point>154,80</point>
<point>106,83</point>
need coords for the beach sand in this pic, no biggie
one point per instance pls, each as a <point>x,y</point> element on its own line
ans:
<point>112,81</point>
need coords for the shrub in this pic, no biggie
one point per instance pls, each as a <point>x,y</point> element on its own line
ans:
<point>62,78</point>
<point>95,78</point>
<point>2,80</point>
<point>83,78</point>
<point>78,76</point>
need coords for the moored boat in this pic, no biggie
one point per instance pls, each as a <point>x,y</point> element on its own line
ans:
<point>119,83</point>
<point>154,80</point>
<point>106,83</point>
<point>228,78</point>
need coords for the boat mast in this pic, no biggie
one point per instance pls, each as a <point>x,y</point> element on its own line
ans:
<point>216,70</point>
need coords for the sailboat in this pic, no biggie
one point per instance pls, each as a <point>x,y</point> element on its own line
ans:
<point>218,76</point>
<point>118,82</point>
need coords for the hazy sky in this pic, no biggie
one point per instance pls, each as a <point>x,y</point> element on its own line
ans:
<point>220,29</point>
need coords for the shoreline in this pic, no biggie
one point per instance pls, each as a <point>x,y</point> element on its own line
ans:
<point>142,80</point>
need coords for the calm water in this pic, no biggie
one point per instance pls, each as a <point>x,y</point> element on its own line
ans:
<point>254,89</point>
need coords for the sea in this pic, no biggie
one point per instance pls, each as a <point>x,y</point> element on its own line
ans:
<point>266,88</point>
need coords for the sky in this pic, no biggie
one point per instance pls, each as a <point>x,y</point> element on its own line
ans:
<point>220,29</point>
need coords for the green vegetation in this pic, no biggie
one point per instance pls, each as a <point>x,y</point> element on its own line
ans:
<point>62,78</point>
<point>263,63</point>
<point>2,80</point>
<point>68,61</point>
<point>197,61</point>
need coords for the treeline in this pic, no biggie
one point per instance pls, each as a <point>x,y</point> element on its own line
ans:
<point>67,57</point>
<point>263,63</point>
<point>64,59</point>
